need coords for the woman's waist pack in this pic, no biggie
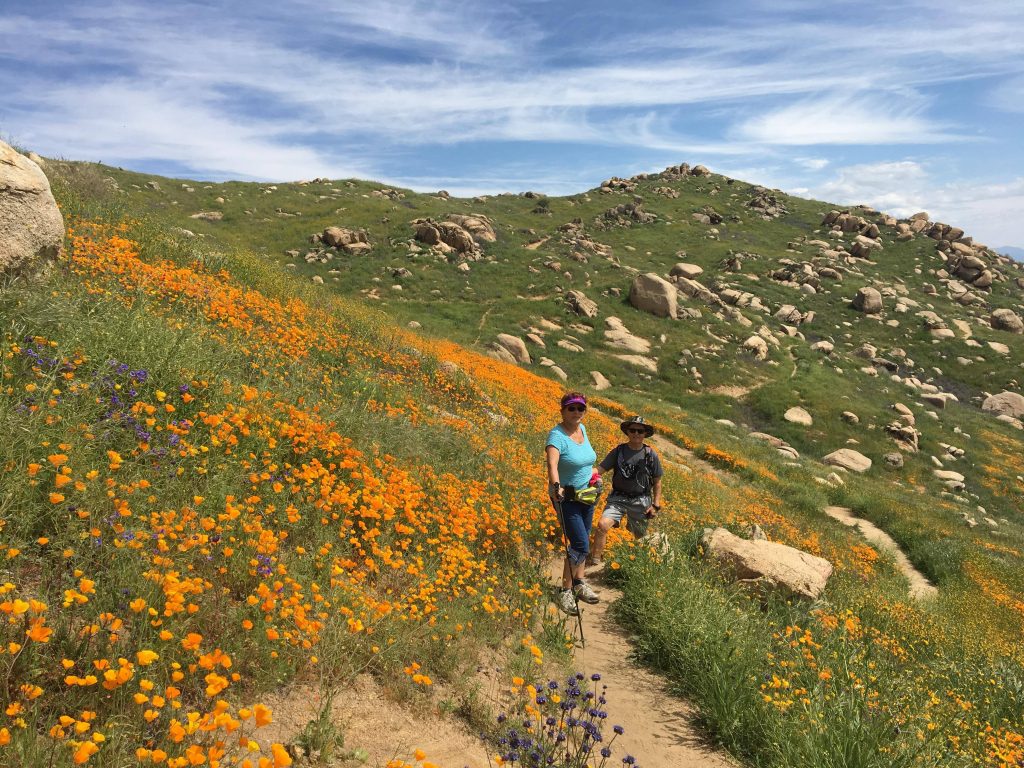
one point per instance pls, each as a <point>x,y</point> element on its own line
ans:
<point>588,495</point>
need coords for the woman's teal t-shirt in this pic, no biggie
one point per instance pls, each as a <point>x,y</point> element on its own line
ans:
<point>575,460</point>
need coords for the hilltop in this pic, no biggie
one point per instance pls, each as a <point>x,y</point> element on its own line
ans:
<point>755,288</point>
<point>270,439</point>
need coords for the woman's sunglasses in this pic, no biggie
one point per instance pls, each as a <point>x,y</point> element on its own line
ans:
<point>576,408</point>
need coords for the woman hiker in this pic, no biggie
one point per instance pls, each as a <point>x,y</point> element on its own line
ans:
<point>570,465</point>
<point>636,485</point>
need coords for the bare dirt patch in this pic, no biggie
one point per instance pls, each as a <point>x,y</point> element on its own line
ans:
<point>373,722</point>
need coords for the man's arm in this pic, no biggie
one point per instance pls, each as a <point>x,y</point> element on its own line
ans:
<point>657,500</point>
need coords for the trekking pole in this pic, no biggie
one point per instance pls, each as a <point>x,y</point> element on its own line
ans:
<point>565,542</point>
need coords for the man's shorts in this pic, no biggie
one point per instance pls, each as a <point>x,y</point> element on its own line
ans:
<point>633,508</point>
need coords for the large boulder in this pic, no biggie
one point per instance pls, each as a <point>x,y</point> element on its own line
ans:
<point>1007,320</point>
<point>515,346</point>
<point>1005,404</point>
<point>868,300</point>
<point>31,227</point>
<point>848,459</point>
<point>768,564</point>
<point>653,294</point>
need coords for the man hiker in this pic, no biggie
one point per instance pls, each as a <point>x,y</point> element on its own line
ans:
<point>636,485</point>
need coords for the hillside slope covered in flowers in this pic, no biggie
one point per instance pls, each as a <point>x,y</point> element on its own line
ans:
<point>215,483</point>
<point>209,490</point>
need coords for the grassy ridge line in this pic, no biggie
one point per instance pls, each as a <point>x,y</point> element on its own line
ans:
<point>188,519</point>
<point>387,423</point>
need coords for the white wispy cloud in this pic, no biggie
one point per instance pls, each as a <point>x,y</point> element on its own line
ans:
<point>845,119</point>
<point>299,87</point>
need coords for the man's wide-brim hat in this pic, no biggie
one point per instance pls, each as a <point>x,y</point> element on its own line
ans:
<point>636,421</point>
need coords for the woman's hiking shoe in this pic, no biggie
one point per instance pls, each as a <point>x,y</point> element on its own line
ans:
<point>566,602</point>
<point>585,593</point>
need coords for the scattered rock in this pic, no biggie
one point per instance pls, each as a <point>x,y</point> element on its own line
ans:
<point>1005,404</point>
<point>600,381</point>
<point>580,304</point>
<point>894,459</point>
<point>848,459</point>
<point>1007,320</point>
<point>640,361</point>
<point>689,271</point>
<point>868,300</point>
<point>618,336</point>
<point>798,415</point>
<point>208,215</point>
<point>758,346</point>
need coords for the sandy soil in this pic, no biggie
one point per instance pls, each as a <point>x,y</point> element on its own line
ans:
<point>384,728</point>
<point>659,728</point>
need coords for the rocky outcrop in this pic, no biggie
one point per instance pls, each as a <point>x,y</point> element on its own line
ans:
<point>348,240</point>
<point>580,304</point>
<point>624,215</point>
<point>31,226</point>
<point>448,237</point>
<point>479,226</point>
<point>766,203</point>
<point>768,565</point>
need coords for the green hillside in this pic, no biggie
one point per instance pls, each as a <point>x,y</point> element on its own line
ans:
<point>233,471</point>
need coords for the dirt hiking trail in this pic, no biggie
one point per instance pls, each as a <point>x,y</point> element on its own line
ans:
<point>660,729</point>
<point>920,587</point>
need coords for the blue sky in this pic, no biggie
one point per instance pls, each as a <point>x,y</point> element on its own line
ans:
<point>903,105</point>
